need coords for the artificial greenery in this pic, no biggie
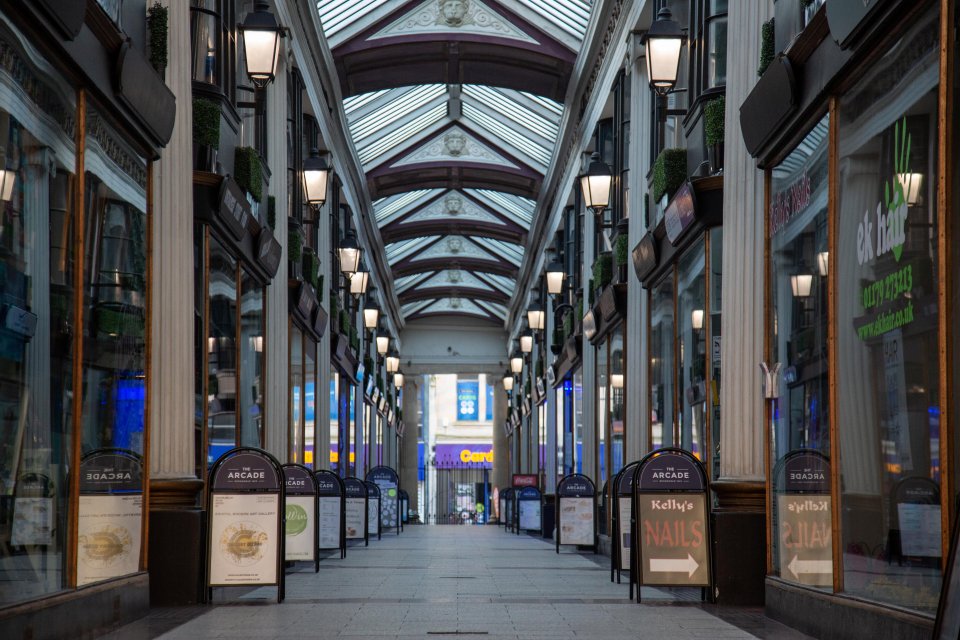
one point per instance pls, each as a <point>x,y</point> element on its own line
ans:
<point>767,46</point>
<point>311,268</point>
<point>669,172</point>
<point>157,19</point>
<point>559,336</point>
<point>344,322</point>
<point>713,115</point>
<point>621,249</point>
<point>334,307</point>
<point>247,171</point>
<point>567,326</point>
<point>603,269</point>
<point>272,212</point>
<point>579,310</point>
<point>206,122</point>
<point>354,339</point>
<point>295,242</point>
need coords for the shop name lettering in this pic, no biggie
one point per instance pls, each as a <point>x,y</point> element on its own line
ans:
<point>296,482</point>
<point>246,474</point>
<point>671,475</point>
<point>673,534</point>
<point>808,505</point>
<point>109,475</point>
<point>788,203</point>
<point>671,505</point>
<point>807,475</point>
<point>805,535</point>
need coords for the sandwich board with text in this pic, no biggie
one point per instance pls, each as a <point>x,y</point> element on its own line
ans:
<point>300,526</point>
<point>576,511</point>
<point>331,512</point>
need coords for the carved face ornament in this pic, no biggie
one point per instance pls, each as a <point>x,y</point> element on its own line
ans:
<point>455,143</point>
<point>453,12</point>
<point>454,205</point>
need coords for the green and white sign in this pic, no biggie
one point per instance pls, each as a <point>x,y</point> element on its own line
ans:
<point>300,528</point>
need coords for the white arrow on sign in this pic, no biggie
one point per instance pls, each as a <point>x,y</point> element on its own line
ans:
<point>663,565</point>
<point>798,566</point>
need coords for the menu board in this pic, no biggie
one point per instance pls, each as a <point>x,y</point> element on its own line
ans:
<point>373,511</point>
<point>356,518</point>
<point>243,542</point>
<point>626,512</point>
<point>576,521</point>
<point>300,528</point>
<point>529,511</point>
<point>108,536</point>
<point>329,526</point>
<point>919,529</point>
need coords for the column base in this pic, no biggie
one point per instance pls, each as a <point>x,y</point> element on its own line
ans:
<point>738,524</point>
<point>177,542</point>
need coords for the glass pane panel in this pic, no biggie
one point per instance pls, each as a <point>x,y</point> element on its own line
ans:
<point>887,338</point>
<point>602,391</point>
<point>310,401</point>
<point>797,229</point>
<point>661,364</point>
<point>204,32</point>
<point>251,388</point>
<point>578,419</point>
<point>37,262</point>
<point>334,421</point>
<point>715,315</point>
<point>691,340</point>
<point>221,353</point>
<point>296,395</point>
<point>617,405</point>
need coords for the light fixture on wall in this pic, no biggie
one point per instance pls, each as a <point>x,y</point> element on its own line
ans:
<point>911,182</point>
<point>349,253</point>
<point>595,185</point>
<point>589,325</point>
<point>398,379</point>
<point>393,361</point>
<point>802,284</point>
<point>536,316</point>
<point>261,44</point>
<point>383,344</point>
<point>371,315</point>
<point>359,282</point>
<point>823,263</point>
<point>696,319</point>
<point>616,380</point>
<point>316,179</point>
<point>663,42</point>
<point>8,178</point>
<point>256,343</point>
<point>555,278</point>
<point>526,342</point>
<point>516,363</point>
<point>508,382</point>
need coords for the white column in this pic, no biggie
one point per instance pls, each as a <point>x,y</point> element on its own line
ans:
<point>172,362</point>
<point>589,366</point>
<point>277,402</point>
<point>742,323</point>
<point>408,466</point>
<point>501,470</point>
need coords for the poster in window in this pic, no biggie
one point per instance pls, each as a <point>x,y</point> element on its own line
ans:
<point>108,537</point>
<point>244,544</point>
<point>468,400</point>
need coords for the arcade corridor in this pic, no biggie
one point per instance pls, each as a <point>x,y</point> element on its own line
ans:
<point>442,581</point>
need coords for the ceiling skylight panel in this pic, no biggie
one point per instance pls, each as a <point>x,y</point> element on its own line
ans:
<point>357,102</point>
<point>548,104</point>
<point>517,207</point>
<point>512,252</point>
<point>492,307</point>
<point>414,307</point>
<point>336,15</point>
<point>399,250</point>
<point>400,135</point>
<point>570,15</point>
<point>505,284</point>
<point>520,142</point>
<point>395,108</point>
<point>506,105</point>
<point>386,207</point>
<point>411,281</point>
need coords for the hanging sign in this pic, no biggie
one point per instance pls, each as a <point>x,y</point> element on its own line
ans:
<point>110,520</point>
<point>680,213</point>
<point>670,502</point>
<point>330,511</point>
<point>373,510</point>
<point>389,483</point>
<point>529,510</point>
<point>356,509</point>
<point>803,514</point>
<point>300,528</point>
<point>234,209</point>
<point>576,511</point>
<point>245,537</point>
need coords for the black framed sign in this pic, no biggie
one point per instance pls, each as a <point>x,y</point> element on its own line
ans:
<point>529,510</point>
<point>245,538</point>
<point>300,506</point>
<point>331,511</point>
<point>374,526</point>
<point>388,481</point>
<point>110,520</point>
<point>671,527</point>
<point>355,509</point>
<point>622,504</point>
<point>576,511</point>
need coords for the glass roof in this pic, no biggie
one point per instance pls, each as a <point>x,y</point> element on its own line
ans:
<point>391,207</point>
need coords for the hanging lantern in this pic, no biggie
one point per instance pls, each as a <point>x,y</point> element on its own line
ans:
<point>664,42</point>
<point>526,342</point>
<point>261,44</point>
<point>595,185</point>
<point>316,179</point>
<point>349,253</point>
<point>359,282</point>
<point>371,315</point>
<point>383,344</point>
<point>536,316</point>
<point>555,278</point>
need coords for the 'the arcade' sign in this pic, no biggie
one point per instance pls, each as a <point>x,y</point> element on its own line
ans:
<point>803,511</point>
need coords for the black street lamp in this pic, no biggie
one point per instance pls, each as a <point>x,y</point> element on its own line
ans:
<point>663,42</point>
<point>595,185</point>
<point>261,44</point>
<point>316,179</point>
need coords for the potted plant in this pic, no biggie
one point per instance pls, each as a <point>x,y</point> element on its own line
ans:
<point>247,171</point>
<point>669,172</point>
<point>713,115</point>
<point>311,267</point>
<point>602,270</point>
<point>206,134</point>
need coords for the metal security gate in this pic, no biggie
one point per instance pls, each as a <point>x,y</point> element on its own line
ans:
<point>457,494</point>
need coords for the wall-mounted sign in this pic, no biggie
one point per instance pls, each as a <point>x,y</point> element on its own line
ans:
<point>468,400</point>
<point>576,511</point>
<point>300,526</point>
<point>356,509</point>
<point>234,209</point>
<point>110,516</point>
<point>645,256</point>
<point>389,484</point>
<point>330,511</point>
<point>680,213</point>
<point>245,536</point>
<point>269,251</point>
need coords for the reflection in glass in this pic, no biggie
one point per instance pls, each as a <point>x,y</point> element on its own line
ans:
<point>204,31</point>
<point>691,338</point>
<point>251,389</point>
<point>37,264</point>
<point>797,227</point>
<point>617,405</point>
<point>887,338</point>
<point>221,353</point>
<point>578,419</point>
<point>715,313</point>
<point>334,421</point>
<point>602,390</point>
<point>661,364</point>
<point>296,394</point>
<point>309,401</point>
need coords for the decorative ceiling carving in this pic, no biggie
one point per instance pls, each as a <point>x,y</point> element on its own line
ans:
<point>455,145</point>
<point>444,16</point>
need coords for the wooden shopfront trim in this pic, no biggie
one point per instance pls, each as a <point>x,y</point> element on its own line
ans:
<point>832,392</point>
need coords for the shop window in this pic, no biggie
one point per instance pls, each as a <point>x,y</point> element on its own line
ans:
<point>602,409</point>
<point>309,400</point>
<point>691,351</point>
<point>200,345</point>
<point>213,43</point>
<point>295,432</point>
<point>221,352</point>
<point>887,329</point>
<point>662,364</point>
<point>335,421</point>
<point>37,268</point>
<point>351,432</point>
<point>797,230</point>
<point>578,419</point>
<point>250,391</point>
<point>714,315</point>
<point>617,403</point>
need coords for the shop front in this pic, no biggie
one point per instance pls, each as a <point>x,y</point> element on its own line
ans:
<point>859,317</point>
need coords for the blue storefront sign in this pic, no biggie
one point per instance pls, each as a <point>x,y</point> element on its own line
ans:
<point>468,400</point>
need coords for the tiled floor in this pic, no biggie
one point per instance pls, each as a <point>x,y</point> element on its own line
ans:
<point>446,581</point>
